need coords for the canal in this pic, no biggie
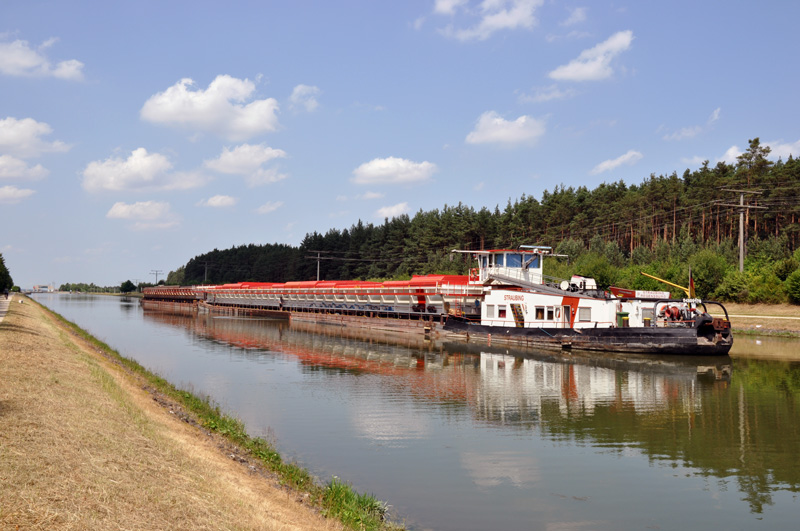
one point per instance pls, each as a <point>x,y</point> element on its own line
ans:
<point>457,436</point>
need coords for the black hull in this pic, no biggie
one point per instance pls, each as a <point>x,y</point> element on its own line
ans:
<point>650,340</point>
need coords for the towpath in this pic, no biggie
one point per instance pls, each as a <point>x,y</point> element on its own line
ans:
<point>4,306</point>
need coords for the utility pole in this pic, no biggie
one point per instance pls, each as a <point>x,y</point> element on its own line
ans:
<point>742,207</point>
<point>156,272</point>
<point>318,257</point>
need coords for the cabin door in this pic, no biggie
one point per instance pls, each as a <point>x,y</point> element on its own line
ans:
<point>563,322</point>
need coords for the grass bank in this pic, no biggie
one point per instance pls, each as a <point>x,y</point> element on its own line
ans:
<point>765,319</point>
<point>91,439</point>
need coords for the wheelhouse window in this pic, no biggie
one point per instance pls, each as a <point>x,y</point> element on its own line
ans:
<point>498,260</point>
<point>513,260</point>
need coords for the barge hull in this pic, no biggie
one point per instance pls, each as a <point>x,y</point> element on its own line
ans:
<point>651,340</point>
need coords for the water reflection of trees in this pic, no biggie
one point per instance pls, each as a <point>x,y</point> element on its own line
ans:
<point>696,412</point>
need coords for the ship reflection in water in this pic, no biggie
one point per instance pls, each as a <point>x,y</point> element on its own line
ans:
<point>503,385</point>
<point>733,425</point>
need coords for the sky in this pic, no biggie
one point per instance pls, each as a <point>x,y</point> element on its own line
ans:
<point>137,135</point>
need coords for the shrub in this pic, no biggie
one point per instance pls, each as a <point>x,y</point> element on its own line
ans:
<point>733,288</point>
<point>614,254</point>
<point>786,267</point>
<point>571,247</point>
<point>641,256</point>
<point>708,271</point>
<point>766,288</point>
<point>597,267</point>
<point>792,287</point>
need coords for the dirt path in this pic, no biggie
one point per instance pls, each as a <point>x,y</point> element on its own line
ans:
<point>4,306</point>
<point>83,446</point>
<point>765,318</point>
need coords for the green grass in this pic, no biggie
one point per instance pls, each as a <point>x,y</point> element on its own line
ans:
<point>763,332</point>
<point>336,499</point>
<point>356,511</point>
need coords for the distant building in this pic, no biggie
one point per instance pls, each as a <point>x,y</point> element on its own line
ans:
<point>44,289</point>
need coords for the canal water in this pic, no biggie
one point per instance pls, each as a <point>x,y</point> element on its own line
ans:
<point>458,436</point>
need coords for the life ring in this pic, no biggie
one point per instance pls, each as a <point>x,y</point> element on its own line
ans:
<point>473,273</point>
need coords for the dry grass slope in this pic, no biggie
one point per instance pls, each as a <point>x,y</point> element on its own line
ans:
<point>765,318</point>
<point>82,446</point>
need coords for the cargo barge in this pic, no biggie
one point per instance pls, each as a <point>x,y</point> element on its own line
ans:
<point>505,299</point>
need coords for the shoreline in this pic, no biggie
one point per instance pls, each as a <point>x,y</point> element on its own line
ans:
<point>770,320</point>
<point>92,439</point>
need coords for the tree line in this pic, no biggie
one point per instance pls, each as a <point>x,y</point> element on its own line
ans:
<point>663,226</point>
<point>125,287</point>
<point>6,282</point>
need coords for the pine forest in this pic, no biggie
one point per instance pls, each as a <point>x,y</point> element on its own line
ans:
<point>664,226</point>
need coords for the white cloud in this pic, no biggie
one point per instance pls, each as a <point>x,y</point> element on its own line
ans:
<point>777,150</point>
<point>782,151</point>
<point>543,94</point>
<point>218,201</point>
<point>371,195</point>
<point>576,16</point>
<point>693,131</point>
<point>693,161</point>
<point>14,168</point>
<point>219,109</point>
<point>686,132</point>
<point>22,138</point>
<point>19,59</point>
<point>495,15</point>
<point>247,160</point>
<point>630,158</point>
<point>492,128</point>
<point>143,210</point>
<point>595,63</point>
<point>392,211</point>
<point>146,214</point>
<point>393,170</point>
<point>264,176</point>
<point>269,206</point>
<point>11,195</point>
<point>140,171</point>
<point>305,96</point>
<point>448,7</point>
<point>730,155</point>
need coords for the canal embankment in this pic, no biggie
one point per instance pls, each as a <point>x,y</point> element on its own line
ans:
<point>765,319</point>
<point>92,440</point>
